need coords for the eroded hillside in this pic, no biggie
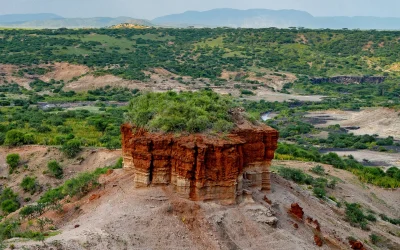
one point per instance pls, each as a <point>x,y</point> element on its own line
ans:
<point>105,217</point>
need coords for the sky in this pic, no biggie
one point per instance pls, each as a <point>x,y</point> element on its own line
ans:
<point>150,9</point>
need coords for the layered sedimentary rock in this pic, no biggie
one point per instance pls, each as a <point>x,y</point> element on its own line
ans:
<point>198,166</point>
<point>350,79</point>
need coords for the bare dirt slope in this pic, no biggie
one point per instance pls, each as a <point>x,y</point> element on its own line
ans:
<point>270,79</point>
<point>57,71</point>
<point>118,216</point>
<point>382,121</point>
<point>7,75</point>
<point>65,72</point>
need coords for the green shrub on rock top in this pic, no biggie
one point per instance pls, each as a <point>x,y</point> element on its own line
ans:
<point>193,112</point>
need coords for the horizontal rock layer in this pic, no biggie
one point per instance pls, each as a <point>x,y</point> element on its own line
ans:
<point>201,167</point>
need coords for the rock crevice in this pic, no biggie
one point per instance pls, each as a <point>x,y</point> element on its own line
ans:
<point>198,166</point>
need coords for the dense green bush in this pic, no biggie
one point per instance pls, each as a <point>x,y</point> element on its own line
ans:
<point>295,175</point>
<point>29,184</point>
<point>71,148</point>
<point>12,161</point>
<point>393,172</point>
<point>9,201</point>
<point>356,216</point>
<point>187,111</point>
<point>14,138</point>
<point>55,169</point>
<point>8,229</point>
<point>310,154</point>
<point>319,192</point>
<point>9,206</point>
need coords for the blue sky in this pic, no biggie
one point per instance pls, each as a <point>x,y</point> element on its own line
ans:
<point>153,8</point>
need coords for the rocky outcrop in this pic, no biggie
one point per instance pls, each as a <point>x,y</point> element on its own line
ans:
<point>198,166</point>
<point>296,211</point>
<point>318,241</point>
<point>356,245</point>
<point>350,79</point>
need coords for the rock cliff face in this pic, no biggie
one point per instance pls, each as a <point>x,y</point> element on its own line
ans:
<point>350,79</point>
<point>201,167</point>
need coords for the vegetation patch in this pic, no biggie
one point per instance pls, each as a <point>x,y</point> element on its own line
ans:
<point>371,175</point>
<point>356,217</point>
<point>193,112</point>
<point>298,176</point>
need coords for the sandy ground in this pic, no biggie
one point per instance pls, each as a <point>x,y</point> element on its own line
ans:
<point>65,72</point>
<point>122,217</point>
<point>382,121</point>
<point>376,158</point>
<point>90,82</point>
<point>58,71</point>
<point>268,95</point>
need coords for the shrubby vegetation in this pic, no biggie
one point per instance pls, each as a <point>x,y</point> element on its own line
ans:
<point>8,201</point>
<point>13,161</point>
<point>71,148</point>
<point>29,184</point>
<point>356,216</point>
<point>187,111</point>
<point>55,169</point>
<point>204,52</point>
<point>391,220</point>
<point>372,175</point>
<point>78,186</point>
<point>298,176</point>
<point>55,126</point>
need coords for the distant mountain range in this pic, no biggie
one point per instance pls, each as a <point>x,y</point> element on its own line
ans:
<point>262,18</point>
<point>53,21</point>
<point>21,18</point>
<point>253,18</point>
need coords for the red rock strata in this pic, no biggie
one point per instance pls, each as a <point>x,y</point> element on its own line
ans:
<point>198,166</point>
